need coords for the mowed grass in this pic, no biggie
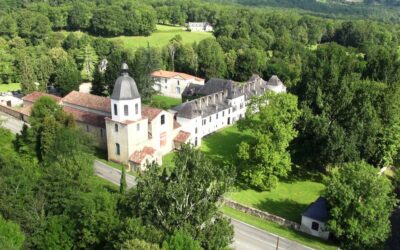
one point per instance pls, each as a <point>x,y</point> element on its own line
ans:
<point>161,37</point>
<point>279,230</point>
<point>164,102</point>
<point>7,87</point>
<point>287,200</point>
<point>223,145</point>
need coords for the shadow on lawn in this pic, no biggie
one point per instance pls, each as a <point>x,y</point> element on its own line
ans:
<point>287,208</point>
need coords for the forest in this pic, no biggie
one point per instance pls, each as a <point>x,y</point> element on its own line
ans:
<point>344,71</point>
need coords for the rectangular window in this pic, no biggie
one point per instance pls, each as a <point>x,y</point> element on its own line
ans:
<point>116,127</point>
<point>163,139</point>
<point>136,108</point>
<point>223,113</point>
<point>138,127</point>
<point>217,116</point>
<point>195,130</point>
<point>314,226</point>
<point>126,110</point>
<point>117,149</point>
<point>162,119</point>
<point>115,109</point>
<point>204,121</point>
<point>210,118</point>
<point>178,90</point>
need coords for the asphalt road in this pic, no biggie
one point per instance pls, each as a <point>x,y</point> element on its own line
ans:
<point>11,123</point>
<point>111,174</point>
<point>248,237</point>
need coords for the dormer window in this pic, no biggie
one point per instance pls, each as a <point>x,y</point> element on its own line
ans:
<point>126,110</point>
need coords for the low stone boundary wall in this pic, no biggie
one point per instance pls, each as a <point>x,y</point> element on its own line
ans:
<point>10,111</point>
<point>261,214</point>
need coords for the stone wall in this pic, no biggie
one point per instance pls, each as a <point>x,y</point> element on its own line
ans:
<point>262,214</point>
<point>10,111</point>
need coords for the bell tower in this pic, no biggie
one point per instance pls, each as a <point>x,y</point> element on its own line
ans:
<point>125,98</point>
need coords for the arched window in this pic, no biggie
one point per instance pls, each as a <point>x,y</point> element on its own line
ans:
<point>162,119</point>
<point>126,110</point>
<point>117,149</point>
<point>115,109</point>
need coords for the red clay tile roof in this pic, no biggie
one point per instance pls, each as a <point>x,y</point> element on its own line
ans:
<point>88,101</point>
<point>139,156</point>
<point>182,137</point>
<point>35,95</point>
<point>176,124</point>
<point>170,74</point>
<point>86,117</point>
<point>150,112</point>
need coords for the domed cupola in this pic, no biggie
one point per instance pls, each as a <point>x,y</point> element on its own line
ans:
<point>125,98</point>
<point>125,86</point>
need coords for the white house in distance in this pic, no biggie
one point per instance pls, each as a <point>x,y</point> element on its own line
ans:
<point>172,84</point>
<point>314,219</point>
<point>219,103</point>
<point>200,27</point>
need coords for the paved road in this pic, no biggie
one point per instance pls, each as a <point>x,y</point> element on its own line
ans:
<point>111,174</point>
<point>11,123</point>
<point>248,237</point>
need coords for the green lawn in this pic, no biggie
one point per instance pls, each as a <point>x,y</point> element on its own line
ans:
<point>164,102</point>
<point>274,228</point>
<point>288,199</point>
<point>223,145</point>
<point>9,87</point>
<point>162,36</point>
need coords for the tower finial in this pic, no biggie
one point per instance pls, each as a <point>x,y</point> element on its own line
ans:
<point>124,68</point>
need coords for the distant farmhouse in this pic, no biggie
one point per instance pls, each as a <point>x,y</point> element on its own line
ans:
<point>200,27</point>
<point>134,134</point>
<point>172,84</point>
<point>313,220</point>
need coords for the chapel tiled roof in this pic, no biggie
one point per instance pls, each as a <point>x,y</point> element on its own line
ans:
<point>86,117</point>
<point>35,95</point>
<point>90,101</point>
<point>182,137</point>
<point>139,155</point>
<point>150,112</point>
<point>171,74</point>
<point>176,124</point>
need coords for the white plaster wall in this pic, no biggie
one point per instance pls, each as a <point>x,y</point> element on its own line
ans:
<point>132,116</point>
<point>306,227</point>
<point>190,125</point>
<point>168,86</point>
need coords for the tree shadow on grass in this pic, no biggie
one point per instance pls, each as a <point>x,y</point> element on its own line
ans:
<point>287,208</point>
<point>301,174</point>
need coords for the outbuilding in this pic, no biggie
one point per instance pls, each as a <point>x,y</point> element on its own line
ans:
<point>313,220</point>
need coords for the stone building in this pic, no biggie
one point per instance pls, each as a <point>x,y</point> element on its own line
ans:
<point>171,83</point>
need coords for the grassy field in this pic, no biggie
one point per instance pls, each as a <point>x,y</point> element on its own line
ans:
<point>288,199</point>
<point>164,102</point>
<point>162,36</point>
<point>10,87</point>
<point>281,231</point>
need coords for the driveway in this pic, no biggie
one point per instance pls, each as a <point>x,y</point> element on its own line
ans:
<point>112,174</point>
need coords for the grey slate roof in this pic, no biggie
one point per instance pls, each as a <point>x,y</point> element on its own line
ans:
<point>318,210</point>
<point>125,86</point>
